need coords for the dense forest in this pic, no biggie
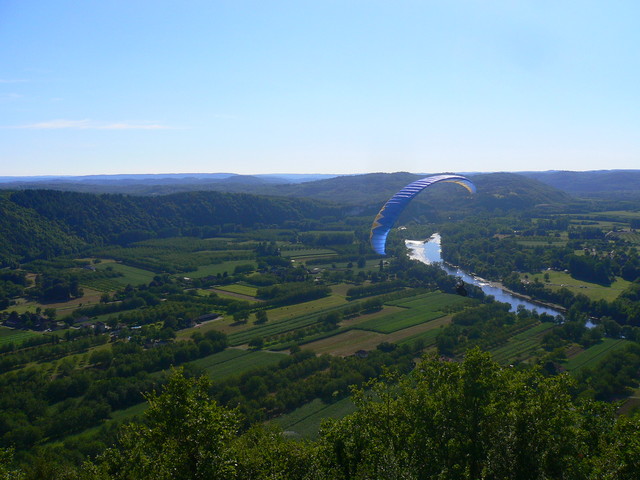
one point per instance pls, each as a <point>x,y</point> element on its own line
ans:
<point>46,223</point>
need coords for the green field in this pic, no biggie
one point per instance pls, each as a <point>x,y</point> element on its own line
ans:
<point>241,289</point>
<point>631,237</point>
<point>433,300</point>
<point>306,252</point>
<point>420,309</point>
<point>305,421</point>
<point>9,335</point>
<point>427,338</point>
<point>314,306</point>
<point>522,345</point>
<point>281,319</point>
<point>104,285</point>
<point>594,354</point>
<point>235,361</point>
<point>594,291</point>
<point>133,411</point>
<point>131,275</point>
<point>271,329</point>
<point>400,320</point>
<point>615,214</point>
<point>217,268</point>
<point>554,242</point>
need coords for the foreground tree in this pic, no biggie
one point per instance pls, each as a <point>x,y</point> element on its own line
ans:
<point>474,420</point>
<point>185,435</point>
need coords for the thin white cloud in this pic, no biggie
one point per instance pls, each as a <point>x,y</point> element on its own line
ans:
<point>225,116</point>
<point>131,126</point>
<point>57,124</point>
<point>10,97</point>
<point>87,124</point>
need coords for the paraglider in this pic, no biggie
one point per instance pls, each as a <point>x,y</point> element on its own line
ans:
<point>395,205</point>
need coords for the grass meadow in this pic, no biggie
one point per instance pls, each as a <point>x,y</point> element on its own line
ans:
<point>9,335</point>
<point>594,291</point>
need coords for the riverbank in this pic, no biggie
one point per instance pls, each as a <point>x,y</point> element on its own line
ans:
<point>429,252</point>
<point>528,298</point>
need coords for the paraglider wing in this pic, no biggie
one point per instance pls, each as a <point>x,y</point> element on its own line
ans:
<point>395,205</point>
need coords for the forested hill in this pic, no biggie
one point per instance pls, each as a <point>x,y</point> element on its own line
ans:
<point>512,191</point>
<point>495,190</point>
<point>612,183</point>
<point>36,223</point>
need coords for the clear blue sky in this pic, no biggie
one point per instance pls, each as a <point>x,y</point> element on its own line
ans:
<point>345,86</point>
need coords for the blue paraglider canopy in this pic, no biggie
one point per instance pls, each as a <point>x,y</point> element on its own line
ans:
<point>391,210</point>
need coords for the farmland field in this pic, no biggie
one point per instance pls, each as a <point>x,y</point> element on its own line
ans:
<point>522,345</point>
<point>434,300</point>
<point>238,288</point>
<point>305,308</point>
<point>305,421</point>
<point>275,328</point>
<point>420,309</point>
<point>615,214</point>
<point>217,268</point>
<point>594,291</point>
<point>306,252</point>
<point>9,335</point>
<point>235,361</point>
<point>399,320</point>
<point>427,337</point>
<point>281,319</point>
<point>233,296</point>
<point>350,341</point>
<point>632,237</point>
<point>555,242</point>
<point>594,354</point>
<point>90,297</point>
<point>131,275</point>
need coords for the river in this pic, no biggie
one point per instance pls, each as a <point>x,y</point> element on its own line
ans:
<point>430,252</point>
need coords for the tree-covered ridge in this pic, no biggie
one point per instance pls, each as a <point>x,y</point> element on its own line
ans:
<point>598,183</point>
<point>44,223</point>
<point>24,233</point>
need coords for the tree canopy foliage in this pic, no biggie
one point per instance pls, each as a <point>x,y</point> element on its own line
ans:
<point>446,420</point>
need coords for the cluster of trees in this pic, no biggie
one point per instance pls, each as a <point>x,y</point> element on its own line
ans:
<point>37,406</point>
<point>266,392</point>
<point>12,285</point>
<point>40,407</point>
<point>52,350</point>
<point>323,239</point>
<point>487,326</point>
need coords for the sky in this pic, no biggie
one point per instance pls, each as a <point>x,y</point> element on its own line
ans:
<point>323,86</point>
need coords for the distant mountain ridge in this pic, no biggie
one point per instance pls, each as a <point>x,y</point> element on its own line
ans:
<point>594,183</point>
<point>151,184</point>
<point>591,183</point>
